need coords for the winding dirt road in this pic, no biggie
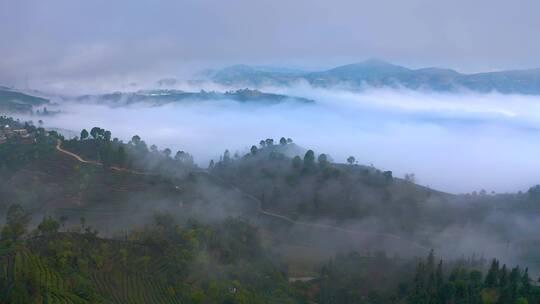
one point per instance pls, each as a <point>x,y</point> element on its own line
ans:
<point>323,226</point>
<point>77,157</point>
<point>93,162</point>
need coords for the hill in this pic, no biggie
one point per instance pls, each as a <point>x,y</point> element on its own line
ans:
<point>97,220</point>
<point>12,101</point>
<point>377,73</point>
<point>161,97</point>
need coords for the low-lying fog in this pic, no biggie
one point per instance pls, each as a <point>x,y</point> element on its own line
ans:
<point>452,142</point>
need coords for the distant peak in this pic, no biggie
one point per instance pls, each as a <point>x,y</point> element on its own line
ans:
<point>375,62</point>
<point>371,66</point>
<point>440,71</point>
<point>239,67</point>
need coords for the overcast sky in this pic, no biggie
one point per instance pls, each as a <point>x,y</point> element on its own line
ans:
<point>61,41</point>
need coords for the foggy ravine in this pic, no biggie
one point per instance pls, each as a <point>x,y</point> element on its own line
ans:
<point>452,142</point>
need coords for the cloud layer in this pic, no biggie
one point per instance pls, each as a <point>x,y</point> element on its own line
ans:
<point>456,143</point>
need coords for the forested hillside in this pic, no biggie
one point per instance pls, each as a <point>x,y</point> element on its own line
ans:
<point>94,219</point>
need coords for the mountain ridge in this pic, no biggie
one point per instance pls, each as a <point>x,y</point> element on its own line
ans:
<point>379,73</point>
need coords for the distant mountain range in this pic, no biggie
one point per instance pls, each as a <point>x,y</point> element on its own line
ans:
<point>159,97</point>
<point>377,73</point>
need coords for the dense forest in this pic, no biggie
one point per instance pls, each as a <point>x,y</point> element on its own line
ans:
<point>93,219</point>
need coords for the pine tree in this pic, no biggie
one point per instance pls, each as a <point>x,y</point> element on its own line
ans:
<point>493,274</point>
<point>525,282</point>
<point>503,277</point>
<point>439,283</point>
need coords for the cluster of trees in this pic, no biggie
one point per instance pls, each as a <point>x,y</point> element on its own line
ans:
<point>97,133</point>
<point>307,186</point>
<point>534,193</point>
<point>468,285</point>
<point>266,148</point>
<point>98,145</point>
<point>16,225</point>
<point>307,164</point>
<point>354,278</point>
<point>270,142</point>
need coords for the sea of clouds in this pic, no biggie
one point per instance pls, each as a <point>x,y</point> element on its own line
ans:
<point>452,142</point>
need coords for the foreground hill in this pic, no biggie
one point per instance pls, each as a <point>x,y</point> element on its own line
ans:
<point>376,73</point>
<point>97,220</point>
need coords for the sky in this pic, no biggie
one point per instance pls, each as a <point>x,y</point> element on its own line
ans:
<point>62,42</point>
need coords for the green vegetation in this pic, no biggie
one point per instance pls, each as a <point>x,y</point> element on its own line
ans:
<point>97,220</point>
<point>98,145</point>
<point>161,263</point>
<point>16,102</point>
<point>225,263</point>
<point>161,97</point>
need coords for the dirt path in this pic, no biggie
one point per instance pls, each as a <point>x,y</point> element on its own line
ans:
<point>77,157</point>
<point>93,162</point>
<point>322,226</point>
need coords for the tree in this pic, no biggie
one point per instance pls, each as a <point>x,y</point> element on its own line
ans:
<point>253,150</point>
<point>184,158</point>
<point>410,177</point>
<point>262,143</point>
<point>323,160</point>
<point>439,276</point>
<point>226,156</point>
<point>107,155</point>
<point>121,156</point>
<point>309,159</point>
<point>167,152</point>
<point>269,142</point>
<point>492,277</point>
<point>95,131</point>
<point>289,140</point>
<point>388,176</point>
<point>296,162</point>
<point>211,165</point>
<point>107,135</point>
<point>48,226</point>
<point>503,277</point>
<point>16,222</point>
<point>351,160</point>
<point>282,141</point>
<point>136,139</point>
<point>83,221</point>
<point>84,134</point>
<point>526,281</point>
<point>534,192</point>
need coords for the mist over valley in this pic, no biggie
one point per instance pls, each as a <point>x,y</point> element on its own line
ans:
<point>295,152</point>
